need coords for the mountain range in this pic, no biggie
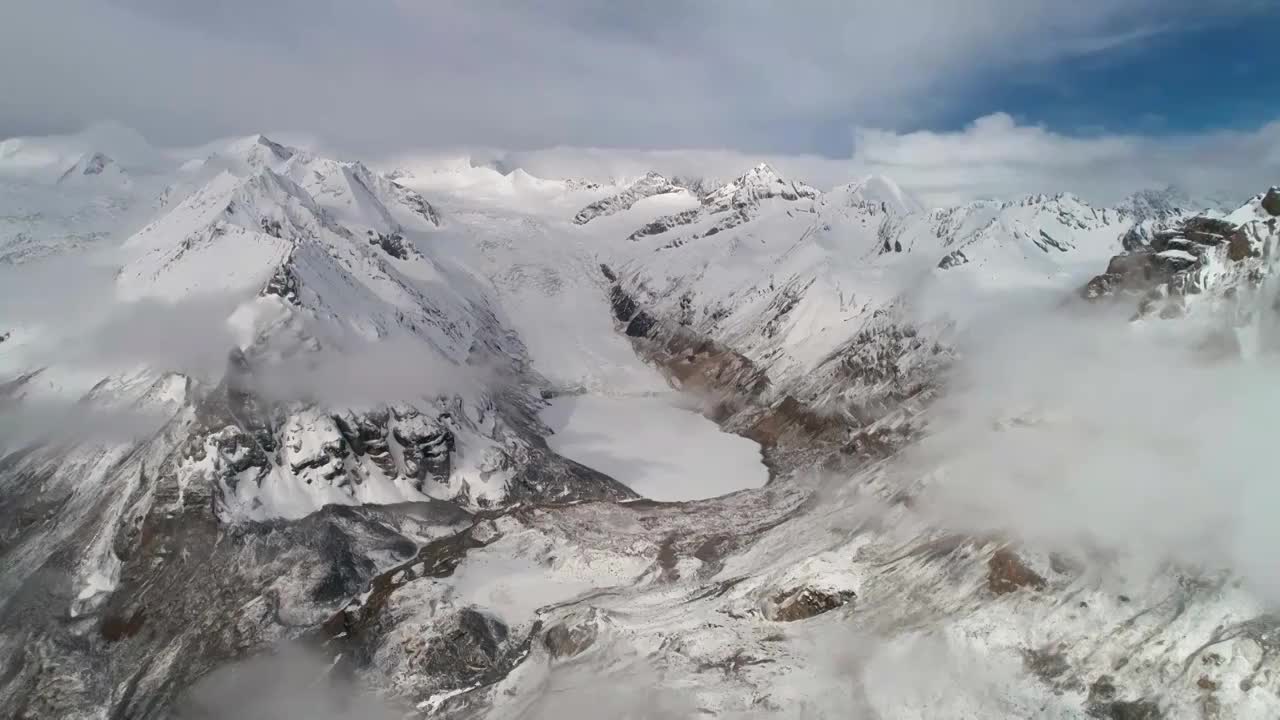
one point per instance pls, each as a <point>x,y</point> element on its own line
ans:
<point>265,406</point>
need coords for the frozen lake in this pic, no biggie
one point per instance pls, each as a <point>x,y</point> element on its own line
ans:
<point>653,446</point>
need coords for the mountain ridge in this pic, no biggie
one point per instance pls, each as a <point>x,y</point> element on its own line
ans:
<point>366,474</point>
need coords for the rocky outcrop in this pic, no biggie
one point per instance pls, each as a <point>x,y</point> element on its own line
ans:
<point>648,186</point>
<point>666,223</point>
<point>1006,573</point>
<point>1170,261</point>
<point>730,205</point>
<point>1271,201</point>
<point>804,603</point>
<point>1201,259</point>
<point>426,445</point>
<point>283,283</point>
<point>571,637</point>
<point>1205,231</point>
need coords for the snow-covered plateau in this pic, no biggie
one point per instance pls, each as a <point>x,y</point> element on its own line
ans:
<point>286,435</point>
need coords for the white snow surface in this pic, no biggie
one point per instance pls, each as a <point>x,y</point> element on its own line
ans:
<point>654,446</point>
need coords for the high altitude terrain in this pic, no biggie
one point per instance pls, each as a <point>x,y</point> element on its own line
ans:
<point>268,406</point>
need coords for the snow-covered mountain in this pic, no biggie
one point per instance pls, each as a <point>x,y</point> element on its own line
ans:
<point>648,186</point>
<point>801,282</point>
<point>309,404</point>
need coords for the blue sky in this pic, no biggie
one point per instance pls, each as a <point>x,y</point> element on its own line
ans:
<point>1217,75</point>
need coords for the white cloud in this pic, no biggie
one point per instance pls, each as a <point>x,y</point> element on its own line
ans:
<point>1069,427</point>
<point>994,157</point>
<point>747,77</point>
<point>394,73</point>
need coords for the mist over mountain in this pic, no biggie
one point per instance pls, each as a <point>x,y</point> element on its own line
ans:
<point>668,361</point>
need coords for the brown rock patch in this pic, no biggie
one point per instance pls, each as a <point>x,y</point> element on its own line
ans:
<point>804,603</point>
<point>1006,572</point>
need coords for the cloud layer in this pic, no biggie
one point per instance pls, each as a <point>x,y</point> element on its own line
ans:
<point>992,157</point>
<point>751,75</point>
<point>1072,428</point>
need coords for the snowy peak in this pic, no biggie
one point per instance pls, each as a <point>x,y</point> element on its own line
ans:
<point>50,158</point>
<point>260,151</point>
<point>244,155</point>
<point>877,193</point>
<point>730,205</point>
<point>360,198</point>
<point>95,166</point>
<point>648,186</point>
<point>344,247</point>
<point>1263,206</point>
<point>759,183</point>
<point>1161,204</point>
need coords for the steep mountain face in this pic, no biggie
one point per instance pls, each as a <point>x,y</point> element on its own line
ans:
<point>362,480</point>
<point>1219,264</point>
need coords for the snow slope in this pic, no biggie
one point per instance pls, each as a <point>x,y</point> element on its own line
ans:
<point>656,448</point>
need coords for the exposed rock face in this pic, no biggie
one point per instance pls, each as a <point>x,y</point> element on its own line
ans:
<point>426,445</point>
<point>1203,257</point>
<point>1271,202</point>
<point>283,284</point>
<point>1205,231</point>
<point>1243,245</point>
<point>571,637</point>
<point>732,204</point>
<point>366,435</point>
<point>1006,573</point>
<point>392,244</point>
<point>804,603</point>
<point>471,645</point>
<point>666,223</point>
